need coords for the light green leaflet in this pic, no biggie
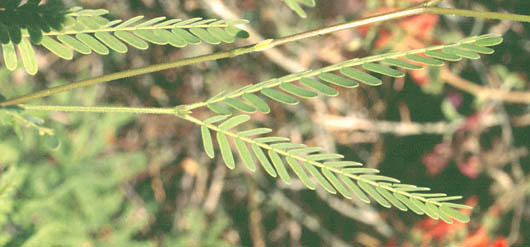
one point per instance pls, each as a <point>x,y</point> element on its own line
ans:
<point>86,31</point>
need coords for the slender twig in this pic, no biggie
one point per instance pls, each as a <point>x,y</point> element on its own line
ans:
<point>480,91</point>
<point>102,109</point>
<point>422,9</point>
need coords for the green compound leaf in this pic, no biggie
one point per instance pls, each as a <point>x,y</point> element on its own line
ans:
<point>372,65</point>
<point>348,178</point>
<point>87,31</point>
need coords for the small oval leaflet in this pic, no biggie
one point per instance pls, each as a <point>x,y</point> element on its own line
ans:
<point>336,183</point>
<point>92,43</point>
<point>207,142</point>
<point>337,80</point>
<point>300,173</point>
<point>373,193</point>
<point>226,152</point>
<point>204,35</point>
<point>490,41</point>
<point>112,42</point>
<point>28,56</point>
<point>477,48</point>
<point>443,55</point>
<point>254,132</point>
<point>363,77</point>
<point>263,160</point>
<point>75,44</point>
<point>424,60</point>
<point>401,64</point>
<point>244,154</point>
<point>297,91</point>
<point>257,102</point>
<point>320,87</point>
<point>461,53</point>
<point>234,121</point>
<point>356,190</point>
<point>240,105</point>
<point>279,96</point>
<point>377,68</point>
<point>280,167</point>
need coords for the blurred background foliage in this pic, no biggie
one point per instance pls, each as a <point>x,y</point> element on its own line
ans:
<point>121,180</point>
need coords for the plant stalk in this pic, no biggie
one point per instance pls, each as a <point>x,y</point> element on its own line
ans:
<point>421,9</point>
<point>101,109</point>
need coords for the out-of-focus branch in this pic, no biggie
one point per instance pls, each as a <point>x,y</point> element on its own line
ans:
<point>483,92</point>
<point>352,123</point>
<point>306,219</point>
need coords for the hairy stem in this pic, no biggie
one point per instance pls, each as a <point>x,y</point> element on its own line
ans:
<point>422,9</point>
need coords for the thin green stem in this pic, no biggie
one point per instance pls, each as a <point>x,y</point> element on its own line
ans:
<point>478,14</point>
<point>263,46</point>
<point>102,109</point>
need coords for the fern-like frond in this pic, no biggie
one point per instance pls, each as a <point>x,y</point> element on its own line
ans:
<point>309,84</point>
<point>295,5</point>
<point>87,31</point>
<point>282,158</point>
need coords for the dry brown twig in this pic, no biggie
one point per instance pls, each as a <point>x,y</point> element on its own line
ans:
<point>483,92</point>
